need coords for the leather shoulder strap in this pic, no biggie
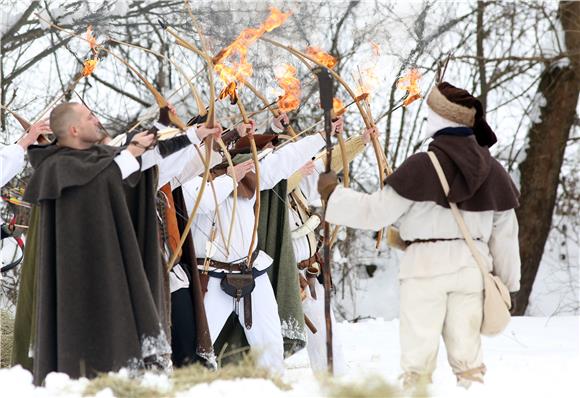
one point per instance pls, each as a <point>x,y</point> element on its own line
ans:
<point>458,218</point>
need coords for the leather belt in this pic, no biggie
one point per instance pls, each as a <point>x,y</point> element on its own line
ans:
<point>241,266</point>
<point>316,258</point>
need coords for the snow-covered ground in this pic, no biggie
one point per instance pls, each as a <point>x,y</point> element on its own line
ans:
<point>534,357</point>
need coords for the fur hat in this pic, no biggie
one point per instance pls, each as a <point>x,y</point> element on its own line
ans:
<point>460,106</point>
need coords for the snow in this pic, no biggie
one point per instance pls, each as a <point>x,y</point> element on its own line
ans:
<point>534,357</point>
<point>8,17</point>
<point>538,103</point>
<point>234,388</point>
<point>159,382</point>
<point>121,8</point>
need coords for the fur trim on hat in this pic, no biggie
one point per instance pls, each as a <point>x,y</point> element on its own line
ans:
<point>450,110</point>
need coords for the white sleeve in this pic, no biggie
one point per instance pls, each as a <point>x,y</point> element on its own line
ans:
<point>153,157</point>
<point>283,163</point>
<point>127,163</point>
<point>184,164</point>
<point>11,162</point>
<point>223,188</point>
<point>150,158</point>
<point>505,249</point>
<point>366,211</point>
<point>309,184</point>
<point>193,165</point>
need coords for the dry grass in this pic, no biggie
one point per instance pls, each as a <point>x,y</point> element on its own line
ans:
<point>187,377</point>
<point>6,338</point>
<point>121,387</point>
<point>181,380</point>
<point>372,387</point>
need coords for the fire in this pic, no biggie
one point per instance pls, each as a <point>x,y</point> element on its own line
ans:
<point>90,64</point>
<point>376,49</point>
<point>324,58</point>
<point>275,19</point>
<point>238,49</point>
<point>338,107</point>
<point>237,72</point>
<point>361,97</point>
<point>368,81</point>
<point>410,83</point>
<point>286,77</point>
<point>89,67</point>
<point>91,39</point>
<point>230,91</point>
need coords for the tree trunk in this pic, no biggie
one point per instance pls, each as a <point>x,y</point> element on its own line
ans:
<point>540,171</point>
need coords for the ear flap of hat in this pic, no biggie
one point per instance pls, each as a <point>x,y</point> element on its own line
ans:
<point>483,133</point>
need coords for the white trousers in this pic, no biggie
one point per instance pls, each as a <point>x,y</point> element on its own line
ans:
<point>447,305</point>
<point>316,342</point>
<point>265,335</point>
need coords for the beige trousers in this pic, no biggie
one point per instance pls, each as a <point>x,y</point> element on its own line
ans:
<point>447,305</point>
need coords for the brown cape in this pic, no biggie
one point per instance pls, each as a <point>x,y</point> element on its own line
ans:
<point>477,181</point>
<point>99,299</point>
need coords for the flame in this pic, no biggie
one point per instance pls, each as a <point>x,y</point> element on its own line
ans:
<point>376,49</point>
<point>286,77</point>
<point>338,107</point>
<point>410,83</point>
<point>324,58</point>
<point>238,49</point>
<point>368,81</point>
<point>91,39</point>
<point>90,64</point>
<point>89,67</point>
<point>361,97</point>
<point>230,91</point>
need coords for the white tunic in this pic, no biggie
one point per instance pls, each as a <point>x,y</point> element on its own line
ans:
<point>275,167</point>
<point>11,162</point>
<point>178,167</point>
<point>497,232</point>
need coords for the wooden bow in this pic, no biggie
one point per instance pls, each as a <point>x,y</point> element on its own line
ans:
<point>210,115</point>
<point>383,166</point>
<point>25,124</point>
<point>257,171</point>
<point>210,66</point>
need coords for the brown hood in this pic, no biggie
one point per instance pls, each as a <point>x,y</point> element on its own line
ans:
<point>477,181</point>
<point>57,168</point>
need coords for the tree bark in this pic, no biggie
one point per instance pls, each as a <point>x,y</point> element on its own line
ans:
<point>540,171</point>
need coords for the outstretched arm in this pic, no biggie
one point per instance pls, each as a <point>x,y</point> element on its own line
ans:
<point>366,211</point>
<point>223,188</point>
<point>284,162</point>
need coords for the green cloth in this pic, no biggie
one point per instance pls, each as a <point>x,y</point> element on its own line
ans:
<point>23,323</point>
<point>275,239</point>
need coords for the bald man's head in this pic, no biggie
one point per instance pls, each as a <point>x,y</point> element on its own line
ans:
<point>75,126</point>
<point>64,116</point>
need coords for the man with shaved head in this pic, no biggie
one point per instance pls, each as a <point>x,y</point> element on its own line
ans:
<point>99,288</point>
